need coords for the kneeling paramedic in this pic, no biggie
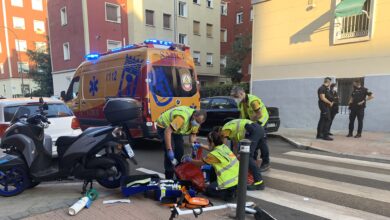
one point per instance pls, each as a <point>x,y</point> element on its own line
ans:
<point>174,124</point>
<point>225,165</point>
<point>239,129</point>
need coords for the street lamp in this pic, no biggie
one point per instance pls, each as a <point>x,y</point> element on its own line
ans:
<point>17,56</point>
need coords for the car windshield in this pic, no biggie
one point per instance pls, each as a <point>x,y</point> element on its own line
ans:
<point>171,81</point>
<point>55,110</point>
<point>204,103</point>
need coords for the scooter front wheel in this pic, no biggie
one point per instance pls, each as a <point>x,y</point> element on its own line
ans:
<point>122,168</point>
<point>13,181</point>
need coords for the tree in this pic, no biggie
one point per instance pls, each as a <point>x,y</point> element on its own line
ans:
<point>41,72</point>
<point>241,48</point>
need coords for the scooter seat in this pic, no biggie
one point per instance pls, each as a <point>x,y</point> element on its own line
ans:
<point>66,140</point>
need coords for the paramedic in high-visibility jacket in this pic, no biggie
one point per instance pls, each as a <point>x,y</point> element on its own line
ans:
<point>174,124</point>
<point>224,163</point>
<point>252,108</point>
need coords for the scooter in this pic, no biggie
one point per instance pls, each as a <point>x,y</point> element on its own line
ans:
<point>96,154</point>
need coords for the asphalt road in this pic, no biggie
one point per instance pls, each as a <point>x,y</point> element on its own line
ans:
<point>301,184</point>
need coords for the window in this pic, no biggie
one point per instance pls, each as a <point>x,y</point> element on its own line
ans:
<point>183,39</point>
<point>55,110</point>
<point>224,8</point>
<point>149,17</point>
<point>172,81</point>
<point>37,5</point>
<point>183,9</point>
<point>73,89</point>
<point>18,23</point>
<point>113,13</point>
<point>251,15</point>
<point>218,103</point>
<point>196,28</point>
<point>17,3</point>
<point>66,50</point>
<point>1,68</point>
<point>23,67</point>
<point>21,45</point>
<point>249,69</point>
<point>40,46</point>
<point>196,2</point>
<point>354,28</point>
<point>209,59</point>
<point>167,21</point>
<point>196,56</point>
<point>223,61</point>
<point>39,27</point>
<point>223,35</point>
<point>209,3</point>
<point>112,44</point>
<point>239,18</point>
<point>209,30</point>
<point>64,16</point>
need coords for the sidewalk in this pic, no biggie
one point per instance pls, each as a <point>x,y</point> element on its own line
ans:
<point>140,208</point>
<point>371,145</point>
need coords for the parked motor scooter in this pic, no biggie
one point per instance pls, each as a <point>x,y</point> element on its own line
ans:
<point>97,154</point>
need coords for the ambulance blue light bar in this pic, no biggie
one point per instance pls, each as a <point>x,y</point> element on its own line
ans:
<point>158,42</point>
<point>92,56</point>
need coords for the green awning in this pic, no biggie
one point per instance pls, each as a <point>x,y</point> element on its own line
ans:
<point>349,8</point>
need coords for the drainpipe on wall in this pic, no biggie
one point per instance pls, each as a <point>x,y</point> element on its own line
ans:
<point>174,21</point>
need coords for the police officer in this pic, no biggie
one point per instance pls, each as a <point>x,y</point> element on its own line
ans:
<point>252,108</point>
<point>357,104</point>
<point>238,129</point>
<point>224,163</point>
<point>174,124</point>
<point>334,110</point>
<point>325,107</point>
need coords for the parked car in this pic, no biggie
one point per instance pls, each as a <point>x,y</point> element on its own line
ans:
<point>63,122</point>
<point>221,109</point>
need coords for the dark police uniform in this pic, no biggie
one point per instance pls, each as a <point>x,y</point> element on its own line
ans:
<point>358,95</point>
<point>334,110</point>
<point>325,118</point>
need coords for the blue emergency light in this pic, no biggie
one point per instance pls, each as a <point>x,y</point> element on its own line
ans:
<point>158,42</point>
<point>92,56</point>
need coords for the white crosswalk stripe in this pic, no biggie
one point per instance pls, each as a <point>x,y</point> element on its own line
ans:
<point>315,206</point>
<point>332,169</point>
<point>312,206</point>
<point>385,166</point>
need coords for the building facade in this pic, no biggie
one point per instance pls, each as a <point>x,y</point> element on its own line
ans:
<point>298,43</point>
<point>236,21</point>
<point>23,25</point>
<point>81,27</point>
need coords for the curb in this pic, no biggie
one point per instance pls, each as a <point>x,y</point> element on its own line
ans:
<point>294,143</point>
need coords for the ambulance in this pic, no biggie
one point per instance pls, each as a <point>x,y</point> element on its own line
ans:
<point>159,74</point>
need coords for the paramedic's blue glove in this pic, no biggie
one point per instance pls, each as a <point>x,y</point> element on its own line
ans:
<point>196,146</point>
<point>170,155</point>
<point>186,159</point>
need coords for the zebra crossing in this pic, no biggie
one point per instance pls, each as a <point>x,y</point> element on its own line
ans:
<point>332,198</point>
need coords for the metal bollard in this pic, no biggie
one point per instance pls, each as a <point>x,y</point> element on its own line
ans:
<point>242,178</point>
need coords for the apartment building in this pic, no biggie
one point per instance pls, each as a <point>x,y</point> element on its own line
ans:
<point>298,43</point>
<point>81,27</point>
<point>236,21</point>
<point>22,27</point>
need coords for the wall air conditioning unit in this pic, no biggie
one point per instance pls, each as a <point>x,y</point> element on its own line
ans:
<point>310,5</point>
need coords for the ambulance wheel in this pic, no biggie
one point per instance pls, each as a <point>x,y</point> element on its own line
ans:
<point>13,181</point>
<point>122,169</point>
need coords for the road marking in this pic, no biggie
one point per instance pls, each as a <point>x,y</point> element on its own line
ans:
<point>331,185</point>
<point>333,169</point>
<point>384,166</point>
<point>312,206</point>
<point>144,170</point>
